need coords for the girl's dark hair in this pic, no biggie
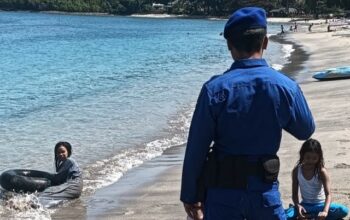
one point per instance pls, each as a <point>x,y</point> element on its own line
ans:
<point>314,146</point>
<point>58,145</point>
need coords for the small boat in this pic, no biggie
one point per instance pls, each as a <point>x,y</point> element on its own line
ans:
<point>333,73</point>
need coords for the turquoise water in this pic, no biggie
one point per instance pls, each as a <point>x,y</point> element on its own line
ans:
<point>121,90</point>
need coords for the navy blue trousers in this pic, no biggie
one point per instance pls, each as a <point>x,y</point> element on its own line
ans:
<point>258,201</point>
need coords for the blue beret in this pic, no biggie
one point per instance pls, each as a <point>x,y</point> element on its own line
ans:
<point>244,19</point>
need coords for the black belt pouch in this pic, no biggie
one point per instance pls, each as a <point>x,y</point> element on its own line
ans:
<point>271,165</point>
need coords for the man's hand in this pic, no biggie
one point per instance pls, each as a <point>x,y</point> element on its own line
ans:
<point>195,210</point>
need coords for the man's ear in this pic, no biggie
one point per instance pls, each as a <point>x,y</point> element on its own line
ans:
<point>229,45</point>
<point>265,42</point>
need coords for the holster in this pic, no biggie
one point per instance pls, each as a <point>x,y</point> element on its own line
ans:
<point>271,165</point>
<point>232,171</point>
<point>208,171</point>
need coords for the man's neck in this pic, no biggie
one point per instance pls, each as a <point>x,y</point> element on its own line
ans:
<point>243,55</point>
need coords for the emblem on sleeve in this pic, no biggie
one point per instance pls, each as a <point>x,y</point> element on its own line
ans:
<point>220,96</point>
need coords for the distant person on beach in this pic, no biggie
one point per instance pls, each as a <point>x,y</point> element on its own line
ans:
<point>282,29</point>
<point>329,28</point>
<point>67,183</point>
<point>310,26</point>
<point>311,177</point>
<point>231,167</point>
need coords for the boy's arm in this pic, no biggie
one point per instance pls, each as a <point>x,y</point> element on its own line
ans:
<point>327,189</point>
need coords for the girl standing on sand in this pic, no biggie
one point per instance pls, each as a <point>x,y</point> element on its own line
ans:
<point>312,178</point>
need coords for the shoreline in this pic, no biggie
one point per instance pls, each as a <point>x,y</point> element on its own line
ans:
<point>146,15</point>
<point>149,191</point>
<point>298,56</point>
<point>276,20</point>
<point>159,198</point>
<point>152,189</point>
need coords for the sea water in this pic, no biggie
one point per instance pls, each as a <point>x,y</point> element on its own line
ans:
<point>121,90</point>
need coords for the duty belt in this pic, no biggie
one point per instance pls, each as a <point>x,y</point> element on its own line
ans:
<point>233,171</point>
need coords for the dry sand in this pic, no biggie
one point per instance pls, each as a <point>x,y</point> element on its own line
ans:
<point>330,104</point>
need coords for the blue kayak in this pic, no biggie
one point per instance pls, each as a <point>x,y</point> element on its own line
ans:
<point>333,73</point>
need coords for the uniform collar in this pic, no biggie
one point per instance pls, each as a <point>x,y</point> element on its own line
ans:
<point>248,63</point>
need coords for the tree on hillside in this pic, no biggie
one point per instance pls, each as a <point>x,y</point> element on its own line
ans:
<point>190,7</point>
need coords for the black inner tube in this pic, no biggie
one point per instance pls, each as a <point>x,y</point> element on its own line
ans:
<point>24,180</point>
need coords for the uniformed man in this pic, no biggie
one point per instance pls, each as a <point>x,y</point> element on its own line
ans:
<point>239,118</point>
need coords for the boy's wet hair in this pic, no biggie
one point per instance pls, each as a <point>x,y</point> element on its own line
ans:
<point>67,145</point>
<point>312,145</point>
<point>249,41</point>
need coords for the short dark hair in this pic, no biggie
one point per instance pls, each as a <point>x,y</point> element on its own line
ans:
<point>67,145</point>
<point>249,41</point>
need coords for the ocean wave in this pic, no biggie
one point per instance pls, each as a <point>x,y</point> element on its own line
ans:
<point>23,206</point>
<point>277,66</point>
<point>155,16</point>
<point>287,50</point>
<point>108,171</point>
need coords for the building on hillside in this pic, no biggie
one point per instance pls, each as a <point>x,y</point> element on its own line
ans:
<point>158,6</point>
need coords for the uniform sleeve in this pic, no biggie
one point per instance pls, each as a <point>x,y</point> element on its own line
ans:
<point>301,124</point>
<point>200,137</point>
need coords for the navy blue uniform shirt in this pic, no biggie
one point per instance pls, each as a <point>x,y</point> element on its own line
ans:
<point>243,112</point>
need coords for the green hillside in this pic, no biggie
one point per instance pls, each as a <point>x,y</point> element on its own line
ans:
<point>187,7</point>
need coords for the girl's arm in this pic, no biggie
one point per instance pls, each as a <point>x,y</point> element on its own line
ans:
<point>295,186</point>
<point>326,185</point>
<point>295,193</point>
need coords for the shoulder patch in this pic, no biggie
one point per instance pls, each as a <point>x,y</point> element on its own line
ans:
<point>220,96</point>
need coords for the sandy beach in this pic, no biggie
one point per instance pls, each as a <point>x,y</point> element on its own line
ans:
<point>158,198</point>
<point>329,102</point>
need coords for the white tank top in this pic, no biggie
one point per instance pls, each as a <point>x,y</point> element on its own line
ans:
<point>311,190</point>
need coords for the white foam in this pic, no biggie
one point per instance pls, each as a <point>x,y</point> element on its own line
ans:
<point>155,16</point>
<point>108,171</point>
<point>278,20</point>
<point>277,66</point>
<point>287,50</point>
<point>24,206</point>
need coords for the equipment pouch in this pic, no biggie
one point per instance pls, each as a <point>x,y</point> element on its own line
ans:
<point>208,175</point>
<point>271,165</point>
<point>211,169</point>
